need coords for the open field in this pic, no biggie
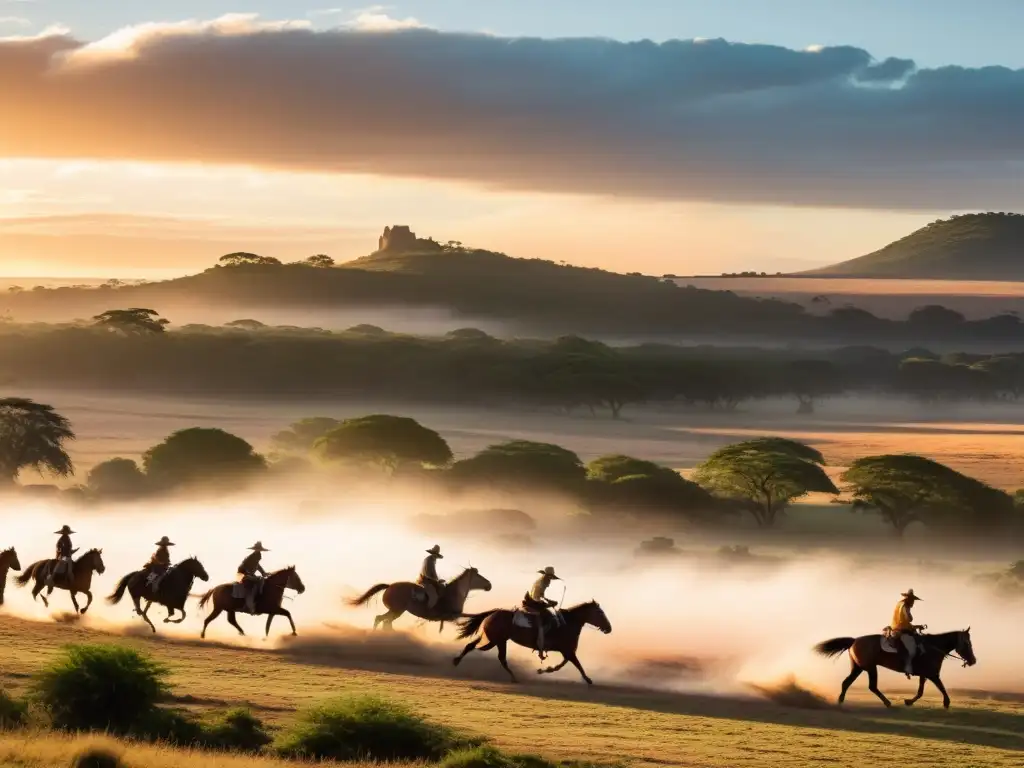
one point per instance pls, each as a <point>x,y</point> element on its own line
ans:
<point>558,720</point>
<point>885,298</point>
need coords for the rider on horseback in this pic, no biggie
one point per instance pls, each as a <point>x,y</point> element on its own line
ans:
<point>904,630</point>
<point>158,564</point>
<point>251,575</point>
<point>428,578</point>
<point>536,603</point>
<point>64,563</point>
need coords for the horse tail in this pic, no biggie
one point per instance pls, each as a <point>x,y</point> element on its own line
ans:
<point>471,624</point>
<point>204,599</point>
<point>835,646</point>
<point>365,597</point>
<point>26,575</point>
<point>118,593</point>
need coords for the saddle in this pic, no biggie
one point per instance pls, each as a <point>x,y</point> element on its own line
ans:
<point>239,588</point>
<point>527,619</point>
<point>890,642</point>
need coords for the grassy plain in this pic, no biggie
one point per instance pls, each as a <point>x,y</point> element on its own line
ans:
<point>559,720</point>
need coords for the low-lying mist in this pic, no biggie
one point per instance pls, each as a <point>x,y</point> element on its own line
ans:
<point>686,622</point>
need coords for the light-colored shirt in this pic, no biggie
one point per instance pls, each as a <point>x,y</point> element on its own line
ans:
<point>902,620</point>
<point>540,587</point>
<point>429,569</point>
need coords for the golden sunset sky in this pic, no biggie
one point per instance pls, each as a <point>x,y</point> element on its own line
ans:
<point>138,147</point>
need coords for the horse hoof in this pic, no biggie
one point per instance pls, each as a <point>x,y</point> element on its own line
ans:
<point>909,702</point>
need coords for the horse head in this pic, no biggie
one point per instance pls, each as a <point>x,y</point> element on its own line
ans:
<point>9,559</point>
<point>594,614</point>
<point>93,559</point>
<point>194,568</point>
<point>475,580</point>
<point>292,580</point>
<point>965,648</point>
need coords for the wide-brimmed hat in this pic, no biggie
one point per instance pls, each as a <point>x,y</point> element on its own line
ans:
<point>549,571</point>
<point>435,551</point>
<point>165,542</point>
<point>258,547</point>
<point>909,594</point>
<point>65,530</point>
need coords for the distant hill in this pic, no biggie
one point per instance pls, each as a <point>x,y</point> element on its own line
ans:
<point>982,246</point>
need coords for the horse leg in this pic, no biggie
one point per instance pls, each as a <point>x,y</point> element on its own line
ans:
<point>170,612</point>
<point>145,616</point>
<point>217,611</point>
<point>549,670</point>
<point>88,594</point>
<point>502,653</point>
<point>387,619</point>
<point>234,623</point>
<point>74,602</point>
<point>920,693</point>
<point>855,672</point>
<point>183,615</point>
<point>873,685</point>
<point>440,627</point>
<point>942,689</point>
<point>288,615</point>
<point>576,663</point>
<point>270,618</point>
<point>469,647</point>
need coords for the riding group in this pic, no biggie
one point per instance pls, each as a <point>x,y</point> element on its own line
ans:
<point>538,623</point>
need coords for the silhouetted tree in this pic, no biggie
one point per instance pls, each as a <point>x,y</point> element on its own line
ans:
<point>133,321</point>
<point>117,477</point>
<point>241,258</point>
<point>522,464</point>
<point>320,260</point>
<point>300,436</point>
<point>623,483</point>
<point>32,435</point>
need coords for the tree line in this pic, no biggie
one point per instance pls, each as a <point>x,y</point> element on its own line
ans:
<point>131,349</point>
<point>760,477</point>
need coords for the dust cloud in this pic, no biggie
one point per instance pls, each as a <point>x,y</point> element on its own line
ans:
<point>686,623</point>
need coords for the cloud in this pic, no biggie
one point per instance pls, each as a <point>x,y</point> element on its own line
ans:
<point>376,19</point>
<point>702,120</point>
<point>14,21</point>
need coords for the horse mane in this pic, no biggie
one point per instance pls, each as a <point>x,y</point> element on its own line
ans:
<point>282,570</point>
<point>7,551</point>
<point>580,606</point>
<point>93,551</point>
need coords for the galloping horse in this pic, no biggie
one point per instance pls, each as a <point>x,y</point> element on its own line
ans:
<point>172,594</point>
<point>867,654</point>
<point>499,626</point>
<point>83,568</point>
<point>405,596</point>
<point>8,562</point>
<point>267,602</point>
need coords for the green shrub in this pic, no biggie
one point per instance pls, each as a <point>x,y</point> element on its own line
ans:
<point>172,726</point>
<point>101,688</point>
<point>489,757</point>
<point>238,731</point>
<point>368,728</point>
<point>96,757</point>
<point>13,712</point>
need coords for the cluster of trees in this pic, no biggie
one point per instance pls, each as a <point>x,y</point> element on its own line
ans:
<point>761,477</point>
<point>130,350</point>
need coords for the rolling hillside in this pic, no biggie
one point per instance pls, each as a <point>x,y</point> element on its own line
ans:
<point>984,246</point>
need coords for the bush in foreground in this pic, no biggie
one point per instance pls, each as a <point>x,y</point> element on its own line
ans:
<point>368,728</point>
<point>100,688</point>
<point>13,713</point>
<point>489,757</point>
<point>237,730</point>
<point>96,757</point>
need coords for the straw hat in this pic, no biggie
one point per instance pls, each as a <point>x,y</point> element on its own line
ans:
<point>909,595</point>
<point>165,542</point>
<point>258,547</point>
<point>65,530</point>
<point>435,551</point>
<point>549,571</point>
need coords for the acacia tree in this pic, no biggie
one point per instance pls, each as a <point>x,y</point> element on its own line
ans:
<point>904,489</point>
<point>810,381</point>
<point>389,441</point>
<point>32,435</point>
<point>200,454</point>
<point>134,322</point>
<point>242,258</point>
<point>766,474</point>
<point>623,482</point>
<point>320,260</point>
<point>117,477</point>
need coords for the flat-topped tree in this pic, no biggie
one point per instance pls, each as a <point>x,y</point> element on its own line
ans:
<point>385,440</point>
<point>32,435</point>
<point>320,260</point>
<point>765,474</point>
<point>134,321</point>
<point>242,258</point>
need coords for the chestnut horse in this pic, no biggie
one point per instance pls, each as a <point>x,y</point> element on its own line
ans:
<point>267,602</point>
<point>497,627</point>
<point>405,596</point>
<point>174,590</point>
<point>8,562</point>
<point>867,655</point>
<point>82,568</point>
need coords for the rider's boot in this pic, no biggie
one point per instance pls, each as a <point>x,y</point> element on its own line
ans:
<point>540,639</point>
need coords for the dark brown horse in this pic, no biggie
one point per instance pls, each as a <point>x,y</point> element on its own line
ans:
<point>82,569</point>
<point>867,655</point>
<point>172,594</point>
<point>267,602</point>
<point>405,596</point>
<point>8,562</point>
<point>499,626</point>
